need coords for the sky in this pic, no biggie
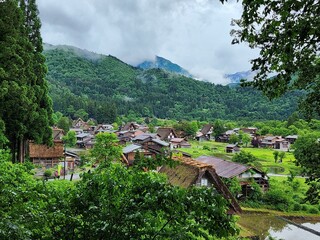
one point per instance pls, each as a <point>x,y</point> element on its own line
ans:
<point>192,33</point>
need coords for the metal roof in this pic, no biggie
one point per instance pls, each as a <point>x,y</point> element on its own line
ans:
<point>130,148</point>
<point>163,143</point>
<point>224,168</point>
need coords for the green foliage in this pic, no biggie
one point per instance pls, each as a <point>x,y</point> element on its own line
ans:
<point>189,128</point>
<point>282,155</point>
<point>47,173</point>
<point>106,88</point>
<point>25,107</point>
<point>246,139</point>
<point>70,139</point>
<point>244,157</point>
<point>307,149</point>
<point>275,155</point>
<point>234,138</point>
<point>106,148</point>
<point>64,123</point>
<point>289,46</point>
<point>233,185</point>
<point>121,203</point>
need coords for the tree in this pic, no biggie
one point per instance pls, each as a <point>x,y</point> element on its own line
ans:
<point>287,34</point>
<point>25,105</point>
<point>275,156</point>
<point>282,155</point>
<point>244,157</point>
<point>246,139</point>
<point>41,121</point>
<point>64,123</point>
<point>70,139</point>
<point>234,138</point>
<point>106,148</point>
<point>16,97</point>
<point>218,128</point>
<point>126,203</point>
<point>307,149</point>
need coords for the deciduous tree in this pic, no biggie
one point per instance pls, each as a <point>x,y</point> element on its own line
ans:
<point>288,37</point>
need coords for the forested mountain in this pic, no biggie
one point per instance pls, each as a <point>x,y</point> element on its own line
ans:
<point>104,87</point>
<point>165,64</point>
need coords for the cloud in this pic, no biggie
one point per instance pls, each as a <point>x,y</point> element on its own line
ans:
<point>191,33</point>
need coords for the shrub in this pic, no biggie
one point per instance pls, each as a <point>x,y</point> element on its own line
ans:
<point>313,210</point>
<point>206,148</point>
<point>296,207</point>
<point>278,199</point>
<point>244,157</point>
<point>47,173</point>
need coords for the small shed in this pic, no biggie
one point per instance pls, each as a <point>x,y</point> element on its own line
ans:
<point>232,148</point>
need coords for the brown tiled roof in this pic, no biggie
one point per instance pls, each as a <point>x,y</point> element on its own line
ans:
<point>43,151</point>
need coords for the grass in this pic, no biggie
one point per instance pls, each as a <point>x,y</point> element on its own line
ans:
<point>265,156</point>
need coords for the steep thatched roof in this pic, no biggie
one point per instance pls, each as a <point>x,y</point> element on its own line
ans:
<point>43,151</point>
<point>189,172</point>
<point>164,132</point>
<point>206,129</point>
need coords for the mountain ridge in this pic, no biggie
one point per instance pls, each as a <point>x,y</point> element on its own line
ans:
<point>108,87</point>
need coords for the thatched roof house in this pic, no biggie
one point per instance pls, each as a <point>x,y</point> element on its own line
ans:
<point>166,133</point>
<point>193,173</point>
<point>47,156</point>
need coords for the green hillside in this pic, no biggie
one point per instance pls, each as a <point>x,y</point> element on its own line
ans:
<point>105,87</point>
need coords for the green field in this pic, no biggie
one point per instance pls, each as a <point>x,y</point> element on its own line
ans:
<point>265,156</point>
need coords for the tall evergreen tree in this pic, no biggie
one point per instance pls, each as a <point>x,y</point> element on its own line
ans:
<point>25,107</point>
<point>41,120</point>
<point>16,99</point>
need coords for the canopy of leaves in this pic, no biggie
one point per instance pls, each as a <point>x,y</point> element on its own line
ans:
<point>113,202</point>
<point>307,154</point>
<point>288,36</point>
<point>244,157</point>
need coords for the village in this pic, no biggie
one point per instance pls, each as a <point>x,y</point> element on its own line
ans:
<point>195,169</point>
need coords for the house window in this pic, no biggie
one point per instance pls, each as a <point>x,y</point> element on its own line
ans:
<point>204,182</point>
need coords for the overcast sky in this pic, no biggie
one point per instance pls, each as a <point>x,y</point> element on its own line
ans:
<point>191,33</point>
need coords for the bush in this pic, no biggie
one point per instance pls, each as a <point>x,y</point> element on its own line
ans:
<point>244,157</point>
<point>296,207</point>
<point>278,199</point>
<point>313,210</point>
<point>47,173</point>
<point>206,148</point>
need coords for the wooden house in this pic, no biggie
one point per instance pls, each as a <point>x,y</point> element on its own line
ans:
<point>166,133</point>
<point>291,138</point>
<point>227,169</point>
<point>46,156</point>
<point>149,147</point>
<point>190,172</point>
<point>57,134</point>
<point>206,133</point>
<point>224,137</point>
<point>179,143</point>
<point>130,127</point>
<point>275,142</point>
<point>83,139</point>
<point>232,148</point>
